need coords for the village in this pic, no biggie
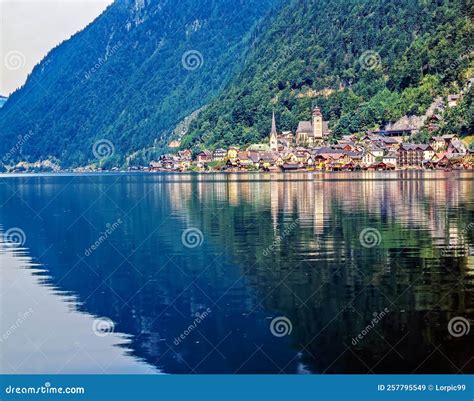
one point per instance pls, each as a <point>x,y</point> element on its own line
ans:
<point>310,150</point>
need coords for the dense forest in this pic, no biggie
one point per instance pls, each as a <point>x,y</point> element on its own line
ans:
<point>129,78</point>
<point>365,63</point>
<point>143,66</point>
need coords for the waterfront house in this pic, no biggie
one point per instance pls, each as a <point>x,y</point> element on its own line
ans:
<point>302,155</point>
<point>243,159</point>
<point>468,161</point>
<point>290,166</point>
<point>381,166</point>
<point>185,154</point>
<point>321,161</point>
<point>204,157</point>
<point>376,151</point>
<point>219,154</point>
<point>183,164</point>
<point>456,147</point>
<point>437,143</point>
<point>356,158</point>
<point>390,159</point>
<point>410,156</point>
<point>449,138</point>
<point>368,159</point>
<point>232,152</point>
<point>154,166</point>
<point>428,151</point>
<point>268,159</point>
<point>254,158</point>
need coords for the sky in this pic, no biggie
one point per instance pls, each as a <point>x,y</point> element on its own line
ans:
<point>30,28</point>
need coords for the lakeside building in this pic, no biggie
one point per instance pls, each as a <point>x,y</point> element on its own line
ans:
<point>313,132</point>
<point>310,150</point>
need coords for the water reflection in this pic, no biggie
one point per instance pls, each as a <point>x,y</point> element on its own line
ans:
<point>41,331</point>
<point>282,245</point>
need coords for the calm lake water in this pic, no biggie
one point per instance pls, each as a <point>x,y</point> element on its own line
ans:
<point>300,273</point>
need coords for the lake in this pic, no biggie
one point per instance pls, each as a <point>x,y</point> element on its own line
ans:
<point>369,272</point>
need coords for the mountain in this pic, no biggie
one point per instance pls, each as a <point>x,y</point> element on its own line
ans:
<point>3,99</point>
<point>365,63</point>
<point>128,78</point>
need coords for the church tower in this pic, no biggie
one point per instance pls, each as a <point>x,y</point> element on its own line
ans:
<point>274,136</point>
<point>317,124</point>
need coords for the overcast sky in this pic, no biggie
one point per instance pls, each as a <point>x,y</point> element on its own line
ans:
<point>30,28</point>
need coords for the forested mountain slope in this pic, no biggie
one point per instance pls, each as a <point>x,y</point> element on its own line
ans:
<point>364,62</point>
<point>125,78</point>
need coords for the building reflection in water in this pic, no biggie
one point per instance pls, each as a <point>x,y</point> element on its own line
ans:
<point>273,245</point>
<point>329,285</point>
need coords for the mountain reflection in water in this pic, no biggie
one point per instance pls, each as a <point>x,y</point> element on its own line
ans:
<point>327,253</point>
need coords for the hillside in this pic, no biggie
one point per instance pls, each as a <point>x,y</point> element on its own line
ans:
<point>365,63</point>
<point>128,78</point>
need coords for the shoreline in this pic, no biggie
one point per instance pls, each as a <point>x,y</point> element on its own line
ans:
<point>386,175</point>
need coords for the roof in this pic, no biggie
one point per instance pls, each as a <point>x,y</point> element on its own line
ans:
<point>255,157</point>
<point>355,155</point>
<point>268,156</point>
<point>425,147</point>
<point>243,155</point>
<point>387,139</point>
<point>258,147</point>
<point>305,127</point>
<point>375,148</point>
<point>411,146</point>
<point>326,127</point>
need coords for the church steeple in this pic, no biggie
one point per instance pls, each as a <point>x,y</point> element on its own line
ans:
<point>274,135</point>
<point>274,124</point>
